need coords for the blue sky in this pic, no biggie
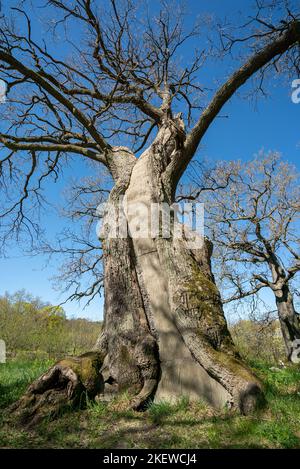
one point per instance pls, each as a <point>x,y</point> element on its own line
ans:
<point>272,124</point>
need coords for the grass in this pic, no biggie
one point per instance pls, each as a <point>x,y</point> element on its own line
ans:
<point>15,377</point>
<point>162,425</point>
<point>158,412</point>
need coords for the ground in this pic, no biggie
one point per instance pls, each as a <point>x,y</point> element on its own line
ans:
<point>184,425</point>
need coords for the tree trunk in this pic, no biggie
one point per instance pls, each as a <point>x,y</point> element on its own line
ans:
<point>289,323</point>
<point>164,325</point>
<point>164,332</point>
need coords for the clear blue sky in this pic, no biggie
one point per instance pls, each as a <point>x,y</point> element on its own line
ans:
<point>273,124</point>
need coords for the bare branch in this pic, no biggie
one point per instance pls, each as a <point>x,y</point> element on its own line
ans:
<point>280,44</point>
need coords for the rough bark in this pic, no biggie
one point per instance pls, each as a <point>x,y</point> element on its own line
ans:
<point>288,317</point>
<point>289,322</point>
<point>131,362</point>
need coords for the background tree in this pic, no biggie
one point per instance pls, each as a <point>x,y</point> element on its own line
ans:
<point>164,329</point>
<point>253,221</point>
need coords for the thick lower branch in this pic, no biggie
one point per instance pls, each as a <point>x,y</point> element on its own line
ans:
<point>69,383</point>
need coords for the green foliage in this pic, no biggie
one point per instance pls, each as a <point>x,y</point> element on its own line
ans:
<point>259,341</point>
<point>34,329</point>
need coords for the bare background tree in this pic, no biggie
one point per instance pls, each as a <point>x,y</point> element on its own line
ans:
<point>253,218</point>
<point>118,81</point>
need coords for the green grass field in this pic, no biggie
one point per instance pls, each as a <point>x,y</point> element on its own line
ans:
<point>184,425</point>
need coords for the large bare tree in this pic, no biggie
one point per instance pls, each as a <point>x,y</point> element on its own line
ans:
<point>112,72</point>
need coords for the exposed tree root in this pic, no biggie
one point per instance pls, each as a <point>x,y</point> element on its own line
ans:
<point>68,384</point>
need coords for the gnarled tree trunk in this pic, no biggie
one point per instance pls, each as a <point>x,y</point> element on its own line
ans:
<point>289,322</point>
<point>176,310</point>
<point>164,332</point>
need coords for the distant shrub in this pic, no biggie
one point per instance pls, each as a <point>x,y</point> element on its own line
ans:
<point>33,329</point>
<point>258,340</point>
